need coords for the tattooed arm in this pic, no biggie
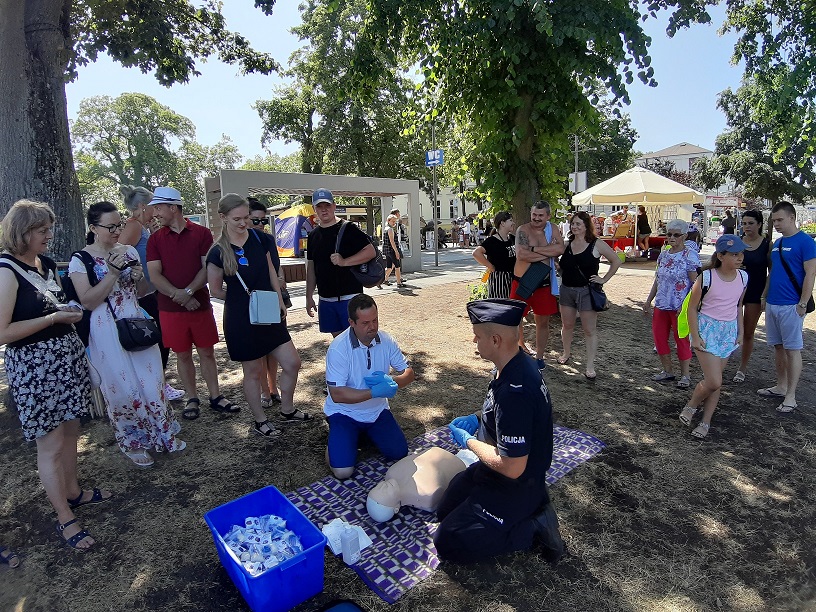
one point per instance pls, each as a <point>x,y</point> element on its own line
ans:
<point>524,251</point>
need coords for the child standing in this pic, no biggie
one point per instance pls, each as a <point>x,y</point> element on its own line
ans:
<point>716,330</point>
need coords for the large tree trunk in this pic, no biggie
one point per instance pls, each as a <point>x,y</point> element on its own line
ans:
<point>528,188</point>
<point>35,149</point>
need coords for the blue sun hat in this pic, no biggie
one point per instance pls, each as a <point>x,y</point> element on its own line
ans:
<point>729,243</point>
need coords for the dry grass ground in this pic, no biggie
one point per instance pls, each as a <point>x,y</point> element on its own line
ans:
<point>659,521</point>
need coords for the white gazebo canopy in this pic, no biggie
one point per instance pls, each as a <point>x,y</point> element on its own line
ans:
<point>638,186</point>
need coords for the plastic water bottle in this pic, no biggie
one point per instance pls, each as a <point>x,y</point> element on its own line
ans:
<point>350,545</point>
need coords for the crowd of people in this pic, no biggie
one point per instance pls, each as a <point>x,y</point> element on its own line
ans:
<point>172,271</point>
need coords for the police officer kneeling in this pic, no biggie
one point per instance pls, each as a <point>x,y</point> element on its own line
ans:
<point>500,504</point>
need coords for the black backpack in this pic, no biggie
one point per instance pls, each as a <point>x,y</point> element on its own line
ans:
<point>83,328</point>
<point>370,273</point>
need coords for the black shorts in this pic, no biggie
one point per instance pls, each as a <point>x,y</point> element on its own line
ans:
<point>393,262</point>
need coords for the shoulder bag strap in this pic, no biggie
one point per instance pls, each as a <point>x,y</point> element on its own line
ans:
<point>238,274</point>
<point>792,278</point>
<point>339,236</point>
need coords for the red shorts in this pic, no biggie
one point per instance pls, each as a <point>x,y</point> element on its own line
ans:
<point>542,302</point>
<point>181,330</point>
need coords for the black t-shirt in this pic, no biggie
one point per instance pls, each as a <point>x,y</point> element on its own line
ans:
<point>31,304</point>
<point>643,226</point>
<point>517,416</point>
<point>334,281</point>
<point>501,253</point>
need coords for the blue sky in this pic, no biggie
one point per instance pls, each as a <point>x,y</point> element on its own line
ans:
<point>691,69</point>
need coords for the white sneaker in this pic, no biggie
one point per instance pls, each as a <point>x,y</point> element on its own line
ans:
<point>171,394</point>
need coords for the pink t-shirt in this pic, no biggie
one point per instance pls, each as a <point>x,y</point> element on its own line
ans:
<point>722,298</point>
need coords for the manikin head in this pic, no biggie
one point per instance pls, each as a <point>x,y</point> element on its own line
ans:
<point>384,500</point>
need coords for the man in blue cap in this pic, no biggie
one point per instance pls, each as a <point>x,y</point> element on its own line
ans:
<point>500,504</point>
<point>328,267</point>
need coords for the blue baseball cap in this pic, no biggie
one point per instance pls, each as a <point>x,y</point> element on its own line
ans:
<point>729,243</point>
<point>496,310</point>
<point>322,195</point>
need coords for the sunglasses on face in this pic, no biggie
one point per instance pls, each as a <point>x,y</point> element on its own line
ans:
<point>242,261</point>
<point>260,222</point>
<point>674,235</point>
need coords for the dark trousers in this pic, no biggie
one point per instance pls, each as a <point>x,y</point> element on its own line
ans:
<point>484,514</point>
<point>151,306</point>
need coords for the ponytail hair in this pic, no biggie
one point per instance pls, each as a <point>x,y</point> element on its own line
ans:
<point>135,197</point>
<point>226,205</point>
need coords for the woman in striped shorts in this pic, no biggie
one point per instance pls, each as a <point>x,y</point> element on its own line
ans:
<point>498,254</point>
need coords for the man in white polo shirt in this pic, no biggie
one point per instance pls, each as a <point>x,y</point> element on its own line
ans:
<point>357,366</point>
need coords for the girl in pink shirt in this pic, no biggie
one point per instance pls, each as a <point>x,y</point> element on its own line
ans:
<point>715,327</point>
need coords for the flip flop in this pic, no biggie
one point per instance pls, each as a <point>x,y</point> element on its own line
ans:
<point>701,431</point>
<point>786,408</point>
<point>769,392</point>
<point>740,377</point>
<point>564,361</point>
<point>96,498</point>
<point>9,557</point>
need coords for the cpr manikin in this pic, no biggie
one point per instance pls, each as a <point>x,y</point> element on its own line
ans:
<point>418,480</point>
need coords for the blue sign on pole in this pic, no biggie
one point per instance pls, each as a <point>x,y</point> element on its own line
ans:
<point>434,158</point>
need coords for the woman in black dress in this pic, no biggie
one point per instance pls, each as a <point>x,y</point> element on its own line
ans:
<point>241,251</point>
<point>755,262</point>
<point>45,362</point>
<point>644,230</point>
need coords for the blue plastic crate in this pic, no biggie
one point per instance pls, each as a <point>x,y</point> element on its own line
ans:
<point>290,583</point>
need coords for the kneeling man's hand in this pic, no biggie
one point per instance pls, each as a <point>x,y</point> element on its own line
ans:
<point>375,378</point>
<point>387,388</point>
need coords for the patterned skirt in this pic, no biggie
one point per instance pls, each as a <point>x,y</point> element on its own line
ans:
<point>49,383</point>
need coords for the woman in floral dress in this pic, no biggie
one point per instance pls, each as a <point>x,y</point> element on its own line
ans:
<point>132,382</point>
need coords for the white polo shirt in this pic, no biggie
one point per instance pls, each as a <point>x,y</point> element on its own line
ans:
<point>348,362</point>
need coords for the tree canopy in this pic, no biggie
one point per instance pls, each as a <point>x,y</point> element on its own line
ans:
<point>43,42</point>
<point>745,152</point>
<point>134,140</point>
<point>519,73</point>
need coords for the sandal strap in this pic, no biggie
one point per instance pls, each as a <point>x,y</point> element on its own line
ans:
<point>64,526</point>
<point>77,538</point>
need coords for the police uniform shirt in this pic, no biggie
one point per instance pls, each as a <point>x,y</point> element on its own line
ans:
<point>517,416</point>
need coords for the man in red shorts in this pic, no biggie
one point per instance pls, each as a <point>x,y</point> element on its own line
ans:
<point>175,260</point>
<point>537,241</point>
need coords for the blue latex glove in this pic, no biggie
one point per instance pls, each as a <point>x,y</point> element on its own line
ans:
<point>469,423</point>
<point>386,388</point>
<point>375,378</point>
<point>460,436</point>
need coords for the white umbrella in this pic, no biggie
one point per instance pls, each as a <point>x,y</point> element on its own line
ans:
<point>638,185</point>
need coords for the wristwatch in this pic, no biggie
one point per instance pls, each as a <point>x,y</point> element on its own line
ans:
<point>801,305</point>
<point>188,291</point>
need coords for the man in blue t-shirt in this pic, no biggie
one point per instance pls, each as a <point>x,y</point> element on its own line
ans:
<point>500,504</point>
<point>789,287</point>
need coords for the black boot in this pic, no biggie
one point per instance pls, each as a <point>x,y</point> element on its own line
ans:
<point>547,535</point>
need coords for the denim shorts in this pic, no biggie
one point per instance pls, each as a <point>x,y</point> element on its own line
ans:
<point>784,326</point>
<point>720,337</point>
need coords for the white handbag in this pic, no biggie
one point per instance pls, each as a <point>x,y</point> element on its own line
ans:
<point>264,306</point>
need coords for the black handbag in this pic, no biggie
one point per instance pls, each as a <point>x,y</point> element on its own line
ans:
<point>371,273</point>
<point>136,334</point>
<point>811,306</point>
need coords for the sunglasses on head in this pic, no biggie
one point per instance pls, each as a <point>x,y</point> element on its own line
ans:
<point>675,235</point>
<point>243,261</point>
<point>260,222</point>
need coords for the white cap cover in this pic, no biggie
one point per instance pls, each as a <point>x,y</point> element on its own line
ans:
<point>378,512</point>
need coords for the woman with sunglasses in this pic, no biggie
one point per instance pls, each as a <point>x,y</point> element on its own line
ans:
<point>241,251</point>
<point>269,380</point>
<point>132,381</point>
<point>755,263</point>
<point>677,269</point>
